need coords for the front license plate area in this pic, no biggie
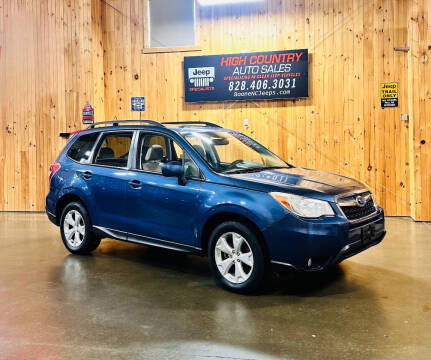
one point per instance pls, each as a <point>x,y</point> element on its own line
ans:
<point>368,234</point>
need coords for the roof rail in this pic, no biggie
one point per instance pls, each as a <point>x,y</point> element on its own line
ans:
<point>118,122</point>
<point>202,123</point>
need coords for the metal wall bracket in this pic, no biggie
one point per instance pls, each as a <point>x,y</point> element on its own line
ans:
<point>402,48</point>
<point>404,117</point>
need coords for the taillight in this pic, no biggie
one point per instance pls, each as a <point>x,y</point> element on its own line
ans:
<point>53,169</point>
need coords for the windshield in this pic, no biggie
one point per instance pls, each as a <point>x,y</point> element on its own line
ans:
<point>232,152</point>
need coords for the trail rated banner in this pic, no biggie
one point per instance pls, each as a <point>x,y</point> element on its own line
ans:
<point>389,94</point>
<point>247,76</point>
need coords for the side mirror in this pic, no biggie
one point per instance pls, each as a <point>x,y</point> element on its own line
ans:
<point>174,169</point>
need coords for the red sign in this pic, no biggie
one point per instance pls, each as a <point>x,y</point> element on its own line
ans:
<point>88,114</point>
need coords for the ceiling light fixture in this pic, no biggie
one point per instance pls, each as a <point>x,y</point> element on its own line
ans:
<point>225,2</point>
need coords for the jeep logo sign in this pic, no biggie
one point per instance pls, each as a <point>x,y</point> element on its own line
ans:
<point>264,75</point>
<point>201,76</point>
<point>201,72</point>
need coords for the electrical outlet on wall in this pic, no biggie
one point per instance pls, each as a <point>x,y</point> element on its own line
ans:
<point>245,122</point>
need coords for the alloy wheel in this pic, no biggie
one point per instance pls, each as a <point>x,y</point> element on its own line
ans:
<point>234,257</point>
<point>74,228</point>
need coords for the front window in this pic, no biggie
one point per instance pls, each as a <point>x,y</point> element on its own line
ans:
<point>155,150</point>
<point>232,152</point>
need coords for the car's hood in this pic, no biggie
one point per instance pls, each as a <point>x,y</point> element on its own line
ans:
<point>305,180</point>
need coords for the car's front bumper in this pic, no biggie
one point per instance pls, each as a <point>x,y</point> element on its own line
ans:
<point>357,247</point>
<point>315,245</point>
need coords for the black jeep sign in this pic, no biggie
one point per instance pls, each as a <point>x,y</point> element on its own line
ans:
<point>247,76</point>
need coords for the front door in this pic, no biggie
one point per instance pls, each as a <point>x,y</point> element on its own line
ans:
<point>157,207</point>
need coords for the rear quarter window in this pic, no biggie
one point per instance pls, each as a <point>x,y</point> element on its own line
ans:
<point>80,150</point>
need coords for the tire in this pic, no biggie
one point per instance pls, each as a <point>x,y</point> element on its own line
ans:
<point>78,239</point>
<point>238,272</point>
<point>95,244</point>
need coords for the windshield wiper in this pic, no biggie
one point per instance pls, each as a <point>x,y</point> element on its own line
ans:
<point>239,171</point>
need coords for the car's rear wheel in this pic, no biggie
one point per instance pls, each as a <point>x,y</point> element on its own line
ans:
<point>76,229</point>
<point>237,258</point>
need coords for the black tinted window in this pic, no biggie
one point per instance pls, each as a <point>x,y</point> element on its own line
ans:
<point>114,150</point>
<point>81,149</point>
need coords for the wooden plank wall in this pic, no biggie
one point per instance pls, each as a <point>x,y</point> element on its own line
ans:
<point>46,77</point>
<point>340,128</point>
<point>57,55</point>
<point>419,32</point>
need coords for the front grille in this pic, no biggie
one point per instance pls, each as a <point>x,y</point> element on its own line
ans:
<point>351,208</point>
<point>357,212</point>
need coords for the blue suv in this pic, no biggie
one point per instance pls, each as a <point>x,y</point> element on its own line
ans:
<point>199,188</point>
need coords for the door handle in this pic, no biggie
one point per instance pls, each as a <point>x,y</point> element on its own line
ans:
<point>87,175</point>
<point>136,184</point>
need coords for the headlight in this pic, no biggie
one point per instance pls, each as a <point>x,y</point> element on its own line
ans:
<point>303,206</point>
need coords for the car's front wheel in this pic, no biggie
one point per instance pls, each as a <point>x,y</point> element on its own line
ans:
<point>237,258</point>
<point>76,229</point>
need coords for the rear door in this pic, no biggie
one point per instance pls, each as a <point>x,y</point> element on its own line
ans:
<point>157,207</point>
<point>107,179</point>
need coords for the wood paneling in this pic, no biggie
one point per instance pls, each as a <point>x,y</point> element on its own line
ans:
<point>420,107</point>
<point>50,56</point>
<point>56,55</point>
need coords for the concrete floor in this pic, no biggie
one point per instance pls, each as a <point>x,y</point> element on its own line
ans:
<point>135,302</point>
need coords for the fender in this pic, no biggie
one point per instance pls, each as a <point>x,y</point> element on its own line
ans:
<point>228,208</point>
<point>83,195</point>
<point>256,206</point>
<point>235,209</point>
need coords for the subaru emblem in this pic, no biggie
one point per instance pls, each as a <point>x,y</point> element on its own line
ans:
<point>360,200</point>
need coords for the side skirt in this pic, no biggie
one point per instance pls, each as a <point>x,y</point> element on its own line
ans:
<point>283,264</point>
<point>145,240</point>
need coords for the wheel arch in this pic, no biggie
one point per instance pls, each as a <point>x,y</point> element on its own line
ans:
<point>220,217</point>
<point>67,199</point>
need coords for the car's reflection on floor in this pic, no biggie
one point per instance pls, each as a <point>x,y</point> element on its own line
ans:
<point>135,302</point>
<point>160,295</point>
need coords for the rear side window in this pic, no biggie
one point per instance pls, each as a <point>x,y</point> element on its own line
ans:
<point>114,150</point>
<point>81,149</point>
